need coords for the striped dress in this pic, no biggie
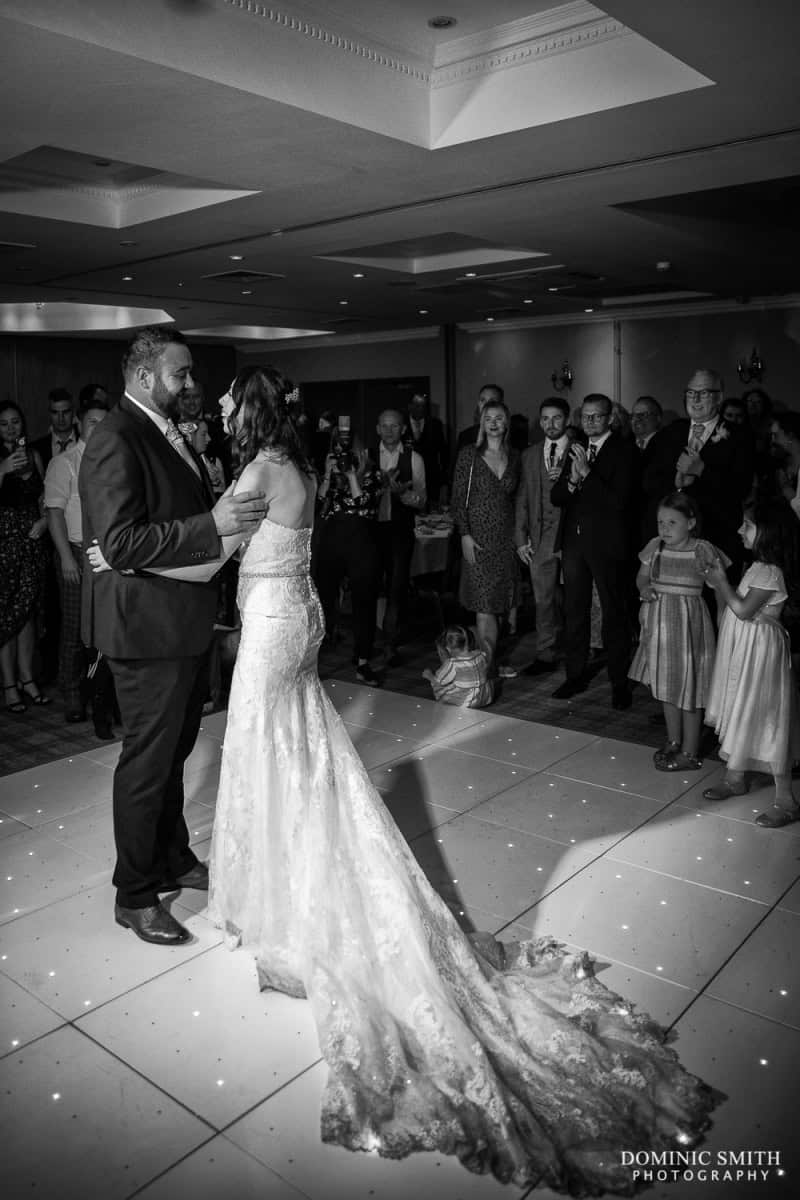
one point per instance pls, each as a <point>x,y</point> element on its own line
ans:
<point>675,656</point>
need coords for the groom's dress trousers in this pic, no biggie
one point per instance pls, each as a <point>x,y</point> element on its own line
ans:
<point>147,506</point>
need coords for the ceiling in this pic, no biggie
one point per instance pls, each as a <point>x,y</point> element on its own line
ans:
<point>257,173</point>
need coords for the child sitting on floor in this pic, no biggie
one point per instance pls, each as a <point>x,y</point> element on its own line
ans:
<point>462,677</point>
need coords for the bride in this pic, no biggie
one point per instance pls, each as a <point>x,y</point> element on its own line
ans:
<point>516,1059</point>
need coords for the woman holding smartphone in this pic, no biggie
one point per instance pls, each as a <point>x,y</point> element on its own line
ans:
<point>22,560</point>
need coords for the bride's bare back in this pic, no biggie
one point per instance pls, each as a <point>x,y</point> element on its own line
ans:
<point>289,493</point>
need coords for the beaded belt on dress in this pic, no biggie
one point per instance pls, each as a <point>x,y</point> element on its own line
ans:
<point>300,573</point>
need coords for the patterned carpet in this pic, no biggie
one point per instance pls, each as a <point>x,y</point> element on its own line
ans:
<point>42,734</point>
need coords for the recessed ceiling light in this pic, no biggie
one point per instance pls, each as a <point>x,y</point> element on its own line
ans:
<point>236,257</point>
<point>358,275</point>
<point>127,278</point>
<point>442,22</point>
<point>343,302</point>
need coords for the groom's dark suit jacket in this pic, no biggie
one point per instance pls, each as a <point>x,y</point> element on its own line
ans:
<point>147,508</point>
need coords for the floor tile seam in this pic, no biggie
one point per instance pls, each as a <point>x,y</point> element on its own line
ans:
<point>753,1012</point>
<point>518,829</point>
<point>747,821</point>
<point>166,1170</point>
<point>144,982</point>
<point>692,882</point>
<point>224,1130</point>
<point>29,912</point>
<point>64,1023</point>
<point>142,1075</point>
<point>607,787</point>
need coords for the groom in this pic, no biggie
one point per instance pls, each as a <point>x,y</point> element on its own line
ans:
<point>148,502</point>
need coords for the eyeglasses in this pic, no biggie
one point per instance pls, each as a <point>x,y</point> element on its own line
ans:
<point>701,393</point>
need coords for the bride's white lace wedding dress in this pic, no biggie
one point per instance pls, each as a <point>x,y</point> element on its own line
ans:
<point>521,1063</point>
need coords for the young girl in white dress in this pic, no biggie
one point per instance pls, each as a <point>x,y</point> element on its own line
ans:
<point>675,656</point>
<point>753,702</point>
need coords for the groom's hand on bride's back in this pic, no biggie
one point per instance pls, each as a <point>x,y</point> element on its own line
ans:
<point>240,513</point>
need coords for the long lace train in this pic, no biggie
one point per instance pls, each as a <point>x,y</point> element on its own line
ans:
<point>517,1060</point>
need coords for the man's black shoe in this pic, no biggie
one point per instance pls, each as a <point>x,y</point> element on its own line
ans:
<point>196,877</point>
<point>542,666</point>
<point>621,697</point>
<point>570,688</point>
<point>153,924</point>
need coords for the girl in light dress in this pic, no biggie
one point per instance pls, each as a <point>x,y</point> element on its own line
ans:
<point>462,679</point>
<point>753,700</point>
<point>675,656</point>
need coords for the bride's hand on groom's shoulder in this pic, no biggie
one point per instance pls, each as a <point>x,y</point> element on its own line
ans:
<point>236,513</point>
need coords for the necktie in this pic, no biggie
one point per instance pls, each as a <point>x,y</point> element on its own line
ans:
<point>696,438</point>
<point>592,455</point>
<point>176,440</point>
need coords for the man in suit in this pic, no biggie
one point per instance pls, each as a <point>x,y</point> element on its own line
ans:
<point>654,481</point>
<point>712,461</point>
<point>148,503</point>
<point>63,432</point>
<point>536,528</point>
<point>425,434</point>
<point>595,490</point>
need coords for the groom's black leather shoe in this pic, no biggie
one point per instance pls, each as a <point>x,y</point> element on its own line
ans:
<point>196,877</point>
<point>153,924</point>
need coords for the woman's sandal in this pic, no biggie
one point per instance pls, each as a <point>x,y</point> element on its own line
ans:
<point>724,790</point>
<point>34,697</point>
<point>680,762</point>
<point>17,707</point>
<point>777,816</point>
<point>660,757</point>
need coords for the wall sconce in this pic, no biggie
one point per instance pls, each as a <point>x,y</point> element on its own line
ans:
<point>752,370</point>
<point>563,379</point>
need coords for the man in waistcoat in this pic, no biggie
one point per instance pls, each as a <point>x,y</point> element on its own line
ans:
<point>536,529</point>
<point>404,495</point>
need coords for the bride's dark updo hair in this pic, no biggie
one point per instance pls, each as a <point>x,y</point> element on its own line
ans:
<point>261,399</point>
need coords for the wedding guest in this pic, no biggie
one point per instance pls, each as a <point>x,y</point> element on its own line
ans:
<point>489,392</point>
<point>595,489</point>
<point>404,495</point>
<point>426,435</point>
<point>484,492</point>
<point>347,545</point>
<point>462,678</point>
<point>712,461</point>
<point>64,520</point>
<point>536,526</point>
<point>23,560</point>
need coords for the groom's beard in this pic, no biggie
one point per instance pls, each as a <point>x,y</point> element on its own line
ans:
<point>165,402</point>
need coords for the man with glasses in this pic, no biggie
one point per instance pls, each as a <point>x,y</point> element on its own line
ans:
<point>713,463</point>
<point>595,491</point>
